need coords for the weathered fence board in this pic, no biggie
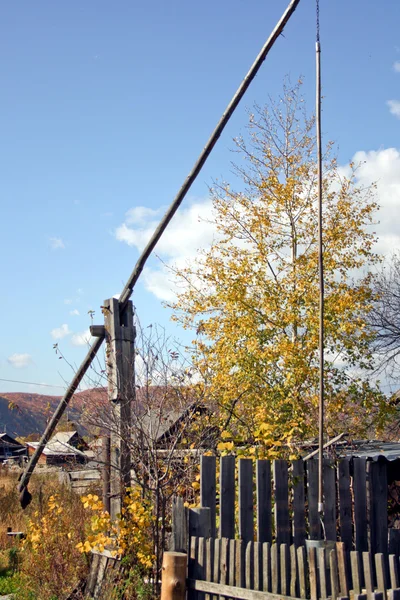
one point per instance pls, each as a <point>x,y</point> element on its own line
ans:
<point>208,488</point>
<point>246,503</point>
<point>227,497</point>
<point>264,506</point>
<point>281,490</point>
<point>360,504</point>
<point>312,495</point>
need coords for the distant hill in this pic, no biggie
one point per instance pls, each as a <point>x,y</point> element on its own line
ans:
<point>23,413</point>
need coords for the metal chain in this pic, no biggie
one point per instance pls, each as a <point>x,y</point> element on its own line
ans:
<point>317,16</point>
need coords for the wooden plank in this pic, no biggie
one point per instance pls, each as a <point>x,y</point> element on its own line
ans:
<point>394,594</point>
<point>342,567</point>
<point>100,575</point>
<point>240,563</point>
<point>266,562</point>
<point>284,569</point>
<point>380,574</point>
<point>393,571</point>
<point>355,571</point>
<point>312,566</point>
<point>199,522</point>
<point>217,568</point>
<point>227,497</point>
<point>299,511</point>
<point>312,495</point>
<point>179,537</point>
<point>258,566</point>
<point>334,574</point>
<point>232,592</point>
<point>330,500</point>
<point>208,488</point>
<point>301,562</point>
<point>378,498</point>
<point>360,504</point>
<point>224,561</point>
<point>249,566</point>
<point>246,508</point>
<point>274,569</point>
<point>94,566</point>
<point>264,507</point>
<point>323,588</point>
<point>281,493</point>
<point>200,564</point>
<point>345,504</point>
<point>293,571</point>
<point>232,562</point>
<point>368,574</point>
<point>192,563</point>
<point>209,561</point>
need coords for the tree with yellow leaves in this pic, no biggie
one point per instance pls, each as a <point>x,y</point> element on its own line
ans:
<point>252,298</point>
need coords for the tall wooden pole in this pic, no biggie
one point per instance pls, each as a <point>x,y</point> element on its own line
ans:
<point>120,356</point>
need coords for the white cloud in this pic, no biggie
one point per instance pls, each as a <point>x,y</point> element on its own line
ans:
<point>20,361</point>
<point>81,339</point>
<point>394,107</point>
<point>67,301</point>
<point>75,312</point>
<point>396,66</point>
<point>383,167</point>
<point>56,243</point>
<point>60,332</point>
<point>191,229</point>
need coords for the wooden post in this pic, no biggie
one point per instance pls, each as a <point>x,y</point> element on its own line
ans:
<point>200,522</point>
<point>120,336</point>
<point>173,577</point>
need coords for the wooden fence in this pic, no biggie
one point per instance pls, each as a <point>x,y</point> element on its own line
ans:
<point>276,501</point>
<point>257,571</point>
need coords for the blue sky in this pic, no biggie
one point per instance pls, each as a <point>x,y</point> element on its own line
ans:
<point>104,109</point>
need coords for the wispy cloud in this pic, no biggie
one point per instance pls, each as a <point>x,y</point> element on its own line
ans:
<point>60,332</point>
<point>396,66</point>
<point>81,339</point>
<point>56,243</point>
<point>20,361</point>
<point>394,107</point>
<point>75,312</point>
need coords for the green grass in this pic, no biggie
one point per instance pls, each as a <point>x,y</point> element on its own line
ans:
<point>8,582</point>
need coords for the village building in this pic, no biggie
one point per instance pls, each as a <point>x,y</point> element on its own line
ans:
<point>64,448</point>
<point>10,449</point>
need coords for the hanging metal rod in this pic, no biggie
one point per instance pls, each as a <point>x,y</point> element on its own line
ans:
<point>190,179</point>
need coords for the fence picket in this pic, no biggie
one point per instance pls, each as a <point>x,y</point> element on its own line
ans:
<point>393,572</point>
<point>312,567</point>
<point>334,574</point>
<point>227,497</point>
<point>224,561</point>
<point>342,567</point>
<point>312,495</point>
<point>274,569</point>
<point>360,504</point>
<point>293,572</point>
<point>266,566</point>
<point>249,566</point>
<point>299,513</point>
<point>264,510</point>
<point>284,569</point>
<point>355,571</point>
<point>345,512</point>
<point>380,574</point>
<point>281,493</point>
<point>322,573</point>
<point>368,578</point>
<point>257,566</point>
<point>208,488</point>
<point>246,521</point>
<point>329,499</point>
<point>301,562</point>
<point>378,496</point>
